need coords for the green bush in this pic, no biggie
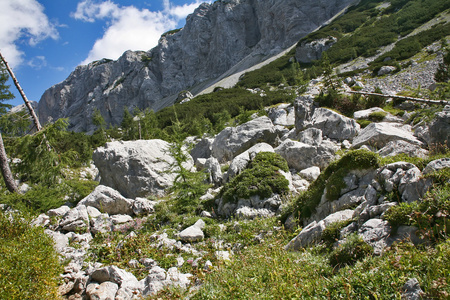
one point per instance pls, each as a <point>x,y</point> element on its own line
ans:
<point>377,116</point>
<point>332,233</point>
<point>261,177</point>
<point>332,179</point>
<point>29,266</point>
<point>349,252</point>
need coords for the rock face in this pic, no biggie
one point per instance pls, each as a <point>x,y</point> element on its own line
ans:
<point>309,51</point>
<point>216,37</point>
<point>136,168</point>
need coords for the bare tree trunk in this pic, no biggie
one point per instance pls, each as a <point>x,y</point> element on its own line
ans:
<point>22,93</point>
<point>6,171</point>
<point>428,101</point>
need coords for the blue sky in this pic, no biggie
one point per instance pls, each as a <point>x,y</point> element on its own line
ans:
<point>44,40</point>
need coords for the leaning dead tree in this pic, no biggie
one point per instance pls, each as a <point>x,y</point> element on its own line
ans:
<point>6,171</point>
<point>22,93</point>
<point>422,100</point>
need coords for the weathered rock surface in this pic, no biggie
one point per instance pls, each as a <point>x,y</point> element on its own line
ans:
<point>439,129</point>
<point>108,200</point>
<point>194,56</point>
<point>398,147</point>
<point>232,141</point>
<point>332,124</point>
<point>307,52</point>
<point>193,233</point>
<point>300,156</point>
<point>136,168</point>
<point>379,135</point>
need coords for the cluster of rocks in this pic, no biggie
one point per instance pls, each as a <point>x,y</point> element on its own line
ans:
<point>307,136</point>
<point>364,200</point>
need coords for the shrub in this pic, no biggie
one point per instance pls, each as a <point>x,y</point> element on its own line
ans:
<point>352,250</point>
<point>331,234</point>
<point>262,178</point>
<point>29,266</point>
<point>332,179</point>
<point>377,116</point>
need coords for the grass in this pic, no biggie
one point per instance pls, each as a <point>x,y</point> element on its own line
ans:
<point>29,266</point>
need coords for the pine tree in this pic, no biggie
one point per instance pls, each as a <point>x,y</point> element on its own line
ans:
<point>5,94</point>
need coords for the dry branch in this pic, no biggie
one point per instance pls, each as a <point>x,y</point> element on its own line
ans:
<point>441,102</point>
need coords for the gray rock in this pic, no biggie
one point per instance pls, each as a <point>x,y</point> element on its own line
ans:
<point>437,165</point>
<point>93,212</point>
<point>313,232</point>
<point>232,141</point>
<point>193,233</point>
<point>75,219</point>
<point>310,136</point>
<point>304,110</point>
<point>439,128</point>
<point>380,134</point>
<point>282,115</point>
<point>300,156</point>
<point>101,224</point>
<point>108,200</point>
<point>143,206</point>
<point>386,70</point>
<point>333,125</point>
<point>136,168</point>
<point>120,219</point>
<point>61,241</point>
<point>375,232</point>
<point>114,274</point>
<point>202,149</point>
<point>213,169</point>
<point>307,52</point>
<point>311,173</point>
<point>58,212</point>
<point>411,290</point>
<point>396,147</point>
<point>104,291</point>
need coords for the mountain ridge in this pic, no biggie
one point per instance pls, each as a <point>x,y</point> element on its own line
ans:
<point>215,38</point>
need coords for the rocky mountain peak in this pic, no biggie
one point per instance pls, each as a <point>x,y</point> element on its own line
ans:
<point>216,38</point>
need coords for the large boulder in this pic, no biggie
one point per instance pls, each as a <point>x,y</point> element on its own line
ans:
<point>233,141</point>
<point>108,200</point>
<point>283,115</point>
<point>439,128</point>
<point>396,147</point>
<point>313,232</point>
<point>300,156</point>
<point>333,125</point>
<point>379,135</point>
<point>309,51</point>
<point>136,168</point>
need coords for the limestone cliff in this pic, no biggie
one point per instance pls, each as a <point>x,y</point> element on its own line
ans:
<point>216,38</point>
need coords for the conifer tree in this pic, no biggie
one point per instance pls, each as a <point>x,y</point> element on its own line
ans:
<point>5,94</point>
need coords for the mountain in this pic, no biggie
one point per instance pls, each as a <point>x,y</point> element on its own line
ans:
<point>216,38</point>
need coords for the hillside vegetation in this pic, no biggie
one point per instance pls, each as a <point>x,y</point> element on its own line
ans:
<point>241,254</point>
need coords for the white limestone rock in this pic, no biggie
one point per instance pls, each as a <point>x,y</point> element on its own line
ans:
<point>380,134</point>
<point>232,141</point>
<point>136,168</point>
<point>108,200</point>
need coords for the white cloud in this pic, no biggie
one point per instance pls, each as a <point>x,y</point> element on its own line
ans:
<point>129,28</point>
<point>37,62</point>
<point>22,21</point>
